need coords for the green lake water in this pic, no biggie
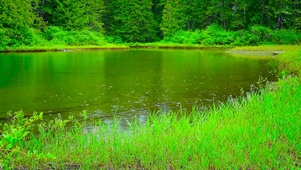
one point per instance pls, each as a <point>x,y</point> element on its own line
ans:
<point>130,83</point>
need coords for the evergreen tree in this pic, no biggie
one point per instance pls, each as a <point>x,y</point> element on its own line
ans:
<point>204,14</point>
<point>175,16</point>
<point>284,13</point>
<point>132,20</point>
<point>142,20</point>
<point>239,14</point>
<point>16,19</point>
<point>157,9</point>
<point>296,14</point>
<point>74,14</point>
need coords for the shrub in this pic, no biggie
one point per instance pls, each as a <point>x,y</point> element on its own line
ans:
<point>215,35</point>
<point>13,135</point>
<point>32,37</point>
<point>84,37</point>
<point>113,39</point>
<point>285,36</point>
<point>5,40</point>
<point>187,37</point>
<point>261,35</point>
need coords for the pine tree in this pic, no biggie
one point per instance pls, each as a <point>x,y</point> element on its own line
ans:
<point>132,20</point>
<point>74,14</point>
<point>175,16</point>
<point>18,14</point>
<point>16,18</point>
<point>239,13</point>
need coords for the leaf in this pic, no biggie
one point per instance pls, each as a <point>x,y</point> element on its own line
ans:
<point>25,134</point>
<point>9,146</point>
<point>41,116</point>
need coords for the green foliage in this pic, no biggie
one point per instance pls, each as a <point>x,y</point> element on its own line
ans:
<point>289,63</point>
<point>17,21</point>
<point>74,14</point>
<point>186,37</point>
<point>173,18</point>
<point>216,35</point>
<point>261,34</point>
<point>14,135</point>
<point>285,36</point>
<point>59,36</point>
<point>18,15</point>
<point>133,21</point>
<point>222,22</point>
<point>114,39</point>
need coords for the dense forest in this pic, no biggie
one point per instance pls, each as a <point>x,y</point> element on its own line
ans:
<point>96,22</point>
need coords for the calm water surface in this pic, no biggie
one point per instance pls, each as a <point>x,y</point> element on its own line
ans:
<point>128,83</point>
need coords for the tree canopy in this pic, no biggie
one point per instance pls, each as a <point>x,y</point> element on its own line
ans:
<point>143,20</point>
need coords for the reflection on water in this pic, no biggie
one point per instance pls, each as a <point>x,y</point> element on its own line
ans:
<point>126,83</point>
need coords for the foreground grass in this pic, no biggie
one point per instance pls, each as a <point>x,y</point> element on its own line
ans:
<point>261,130</point>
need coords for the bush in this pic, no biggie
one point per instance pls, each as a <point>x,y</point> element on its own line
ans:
<point>5,40</point>
<point>285,36</point>
<point>57,35</point>
<point>13,136</point>
<point>32,37</point>
<point>86,37</point>
<point>215,35</point>
<point>261,35</point>
<point>187,37</point>
<point>114,39</point>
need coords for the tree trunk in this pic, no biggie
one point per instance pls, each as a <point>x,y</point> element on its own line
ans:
<point>295,13</point>
<point>262,12</point>
<point>280,18</point>
<point>188,25</point>
<point>224,19</point>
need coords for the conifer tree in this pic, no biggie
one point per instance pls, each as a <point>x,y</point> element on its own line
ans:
<point>132,20</point>
<point>74,14</point>
<point>16,18</point>
<point>174,17</point>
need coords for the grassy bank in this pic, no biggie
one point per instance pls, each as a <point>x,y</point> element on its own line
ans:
<point>261,130</point>
<point>164,45</point>
<point>157,45</point>
<point>64,48</point>
<point>263,50</point>
<point>268,48</point>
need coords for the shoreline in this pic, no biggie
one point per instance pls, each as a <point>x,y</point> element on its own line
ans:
<point>65,48</point>
<point>262,49</point>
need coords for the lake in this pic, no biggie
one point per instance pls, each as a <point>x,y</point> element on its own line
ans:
<point>127,83</point>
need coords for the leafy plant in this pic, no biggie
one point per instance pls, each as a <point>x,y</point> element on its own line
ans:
<point>14,134</point>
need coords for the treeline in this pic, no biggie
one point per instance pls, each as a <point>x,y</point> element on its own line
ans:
<point>95,22</point>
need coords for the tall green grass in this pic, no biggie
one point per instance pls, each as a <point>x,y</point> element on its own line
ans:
<point>258,131</point>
